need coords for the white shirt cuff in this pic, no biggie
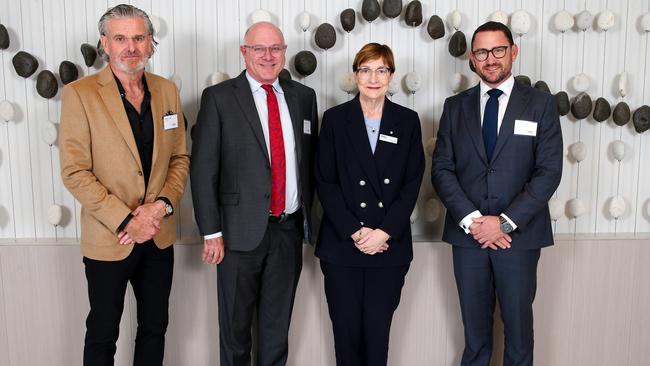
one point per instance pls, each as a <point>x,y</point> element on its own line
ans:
<point>467,220</point>
<point>213,236</point>
<point>514,226</point>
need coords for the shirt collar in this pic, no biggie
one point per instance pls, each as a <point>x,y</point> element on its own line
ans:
<point>256,85</point>
<point>505,87</point>
<point>120,88</point>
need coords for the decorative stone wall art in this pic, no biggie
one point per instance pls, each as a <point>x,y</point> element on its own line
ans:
<point>392,8</point>
<point>457,82</point>
<point>156,23</point>
<point>563,21</point>
<point>576,207</point>
<point>455,20</point>
<point>348,19</point>
<point>602,110</point>
<point>25,64</point>
<point>641,119</point>
<point>520,22</point>
<point>645,22</point>
<point>436,28</point>
<point>523,79</point>
<point>393,87</point>
<point>370,10</point>
<point>457,44</point>
<point>541,85</point>
<point>606,20</point>
<point>578,151</point>
<point>46,84</point>
<point>347,83</point>
<point>284,74</point>
<point>584,20</point>
<point>499,16</point>
<point>49,133</point>
<point>617,148</point>
<point>54,215</point>
<point>260,15</point>
<point>581,82</point>
<point>563,104</point>
<point>581,107</point>
<point>217,77</point>
<point>305,63</point>
<point>413,13</point>
<point>89,53</point>
<point>622,84</point>
<point>7,111</point>
<point>413,81</point>
<point>304,20</point>
<point>617,206</point>
<point>556,208</point>
<point>4,38</point>
<point>621,114</point>
<point>68,72</point>
<point>325,36</point>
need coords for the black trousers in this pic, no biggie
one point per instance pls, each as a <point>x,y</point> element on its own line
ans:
<point>361,302</point>
<point>264,279</point>
<point>149,270</point>
<point>483,274</point>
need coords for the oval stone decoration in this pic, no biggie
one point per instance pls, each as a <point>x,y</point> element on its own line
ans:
<point>563,104</point>
<point>370,10</point>
<point>305,63</point>
<point>392,8</point>
<point>46,84</point>
<point>325,36</point>
<point>457,44</point>
<point>581,107</point>
<point>348,19</point>
<point>621,114</point>
<point>4,38</point>
<point>413,13</point>
<point>436,27</point>
<point>602,110</point>
<point>89,53</point>
<point>68,72</point>
<point>641,119</point>
<point>25,64</point>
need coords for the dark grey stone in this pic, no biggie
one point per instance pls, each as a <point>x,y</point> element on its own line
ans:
<point>436,27</point>
<point>563,104</point>
<point>457,44</point>
<point>285,74</point>
<point>68,72</point>
<point>370,10</point>
<point>621,114</point>
<point>24,64</point>
<point>348,19</point>
<point>392,8</point>
<point>602,110</point>
<point>325,36</point>
<point>413,13</point>
<point>46,84</point>
<point>305,63</point>
<point>541,85</point>
<point>89,53</point>
<point>581,107</point>
<point>4,37</point>
<point>523,79</point>
<point>641,119</point>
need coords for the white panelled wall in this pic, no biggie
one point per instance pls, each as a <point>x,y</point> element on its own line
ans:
<point>592,299</point>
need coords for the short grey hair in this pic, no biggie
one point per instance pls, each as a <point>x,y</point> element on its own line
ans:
<point>123,11</point>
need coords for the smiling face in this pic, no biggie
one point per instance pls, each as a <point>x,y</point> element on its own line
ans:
<point>371,80</point>
<point>266,67</point>
<point>127,44</point>
<point>493,71</point>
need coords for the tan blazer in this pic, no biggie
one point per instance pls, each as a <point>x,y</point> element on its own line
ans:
<point>101,167</point>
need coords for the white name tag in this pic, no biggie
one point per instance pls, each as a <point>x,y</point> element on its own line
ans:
<point>526,128</point>
<point>170,121</point>
<point>306,126</point>
<point>386,138</point>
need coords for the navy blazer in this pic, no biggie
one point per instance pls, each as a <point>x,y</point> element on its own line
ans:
<point>358,188</point>
<point>519,180</point>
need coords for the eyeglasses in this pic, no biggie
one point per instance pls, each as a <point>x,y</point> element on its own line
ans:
<point>276,49</point>
<point>482,54</point>
<point>380,72</point>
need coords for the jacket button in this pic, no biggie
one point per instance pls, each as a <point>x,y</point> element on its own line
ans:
<point>362,205</point>
<point>362,182</point>
<point>140,172</point>
<point>362,223</point>
<point>386,181</point>
<point>381,205</point>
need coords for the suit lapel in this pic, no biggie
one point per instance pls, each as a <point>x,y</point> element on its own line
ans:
<point>110,95</point>
<point>157,117</point>
<point>244,97</point>
<point>388,127</point>
<point>356,129</point>
<point>293,103</point>
<point>516,104</point>
<point>471,112</point>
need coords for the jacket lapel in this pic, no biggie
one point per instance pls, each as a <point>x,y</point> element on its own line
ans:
<point>110,95</point>
<point>244,97</point>
<point>356,129</point>
<point>516,104</point>
<point>293,103</point>
<point>388,127</point>
<point>472,120</point>
<point>157,116</point>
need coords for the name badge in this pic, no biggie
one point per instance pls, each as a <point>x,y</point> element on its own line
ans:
<point>170,121</point>
<point>386,138</point>
<point>526,128</point>
<point>306,126</point>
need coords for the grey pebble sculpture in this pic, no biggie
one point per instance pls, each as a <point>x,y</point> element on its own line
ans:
<point>325,36</point>
<point>25,64</point>
<point>523,79</point>
<point>370,10</point>
<point>621,114</point>
<point>541,85</point>
<point>582,105</point>
<point>89,53</point>
<point>68,72</point>
<point>641,119</point>
<point>457,44</point>
<point>4,37</point>
<point>392,8</point>
<point>46,84</point>
<point>436,27</point>
<point>413,13</point>
<point>305,63</point>
<point>348,19</point>
<point>285,74</point>
<point>602,110</point>
<point>563,104</point>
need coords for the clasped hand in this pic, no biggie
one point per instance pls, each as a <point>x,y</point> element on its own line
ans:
<point>144,225</point>
<point>371,241</point>
<point>487,231</point>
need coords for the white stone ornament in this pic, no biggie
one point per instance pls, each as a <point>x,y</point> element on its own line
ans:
<point>415,214</point>
<point>581,82</point>
<point>305,21</point>
<point>155,22</point>
<point>563,21</point>
<point>432,210</point>
<point>606,20</point>
<point>645,22</point>
<point>393,87</point>
<point>430,146</point>
<point>618,149</point>
<point>177,80</point>
<point>260,15</point>
<point>499,16</point>
<point>457,82</point>
<point>617,206</point>
<point>578,151</point>
<point>413,81</point>
<point>520,22</point>
<point>347,83</point>
<point>455,19</point>
<point>584,20</point>
<point>622,84</point>
<point>49,133</point>
<point>576,207</point>
<point>54,215</point>
<point>556,208</point>
<point>7,112</point>
<point>218,77</point>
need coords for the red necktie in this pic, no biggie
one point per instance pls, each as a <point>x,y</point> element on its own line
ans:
<point>278,165</point>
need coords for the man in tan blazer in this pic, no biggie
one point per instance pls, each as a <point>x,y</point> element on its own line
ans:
<point>123,156</point>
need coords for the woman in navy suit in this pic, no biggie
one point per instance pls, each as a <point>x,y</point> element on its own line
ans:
<point>369,166</point>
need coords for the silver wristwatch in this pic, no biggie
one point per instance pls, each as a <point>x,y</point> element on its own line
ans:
<point>505,226</point>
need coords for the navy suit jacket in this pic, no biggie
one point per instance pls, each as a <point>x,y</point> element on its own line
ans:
<point>519,180</point>
<point>358,188</point>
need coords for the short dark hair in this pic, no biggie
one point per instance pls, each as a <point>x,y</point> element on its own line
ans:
<point>374,51</point>
<point>493,27</point>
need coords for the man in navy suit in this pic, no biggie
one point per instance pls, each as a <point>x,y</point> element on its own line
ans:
<point>497,162</point>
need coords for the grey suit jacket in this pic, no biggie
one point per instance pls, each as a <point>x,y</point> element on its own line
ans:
<point>230,170</point>
<point>519,180</point>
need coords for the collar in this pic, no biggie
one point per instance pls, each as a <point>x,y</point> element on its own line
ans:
<point>121,88</point>
<point>505,87</point>
<point>256,85</point>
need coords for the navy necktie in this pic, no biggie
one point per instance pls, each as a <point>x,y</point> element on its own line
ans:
<point>490,121</point>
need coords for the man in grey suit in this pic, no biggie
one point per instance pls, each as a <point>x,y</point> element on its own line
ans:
<point>498,160</point>
<point>252,187</point>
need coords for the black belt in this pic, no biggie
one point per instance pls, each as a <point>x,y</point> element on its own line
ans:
<point>283,217</point>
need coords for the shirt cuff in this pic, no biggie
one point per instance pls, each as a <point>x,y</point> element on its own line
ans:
<point>514,226</point>
<point>125,222</point>
<point>213,236</point>
<point>467,220</point>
